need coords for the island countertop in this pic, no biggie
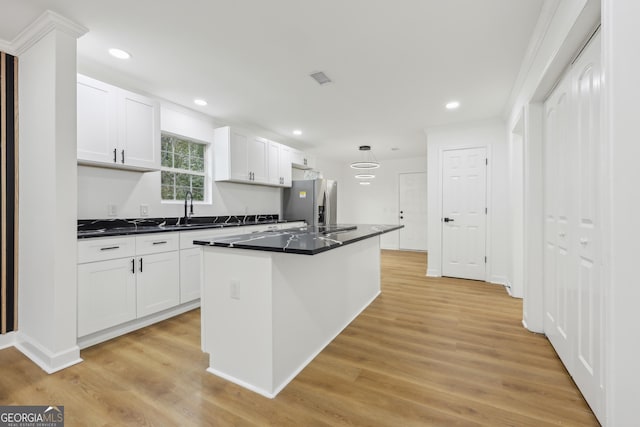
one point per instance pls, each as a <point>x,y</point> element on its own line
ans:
<point>308,240</point>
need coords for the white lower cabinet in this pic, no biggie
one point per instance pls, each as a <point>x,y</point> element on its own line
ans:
<point>189,274</point>
<point>138,280</point>
<point>106,294</point>
<point>126,278</point>
<point>158,282</point>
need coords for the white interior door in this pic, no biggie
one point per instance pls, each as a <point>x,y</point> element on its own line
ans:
<point>464,189</point>
<point>588,362</point>
<point>413,211</point>
<point>558,221</point>
<point>573,296</point>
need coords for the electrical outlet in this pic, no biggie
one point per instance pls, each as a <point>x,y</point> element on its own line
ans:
<point>234,289</point>
<point>112,210</point>
<point>144,210</point>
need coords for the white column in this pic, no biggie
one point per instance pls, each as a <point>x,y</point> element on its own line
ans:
<point>48,193</point>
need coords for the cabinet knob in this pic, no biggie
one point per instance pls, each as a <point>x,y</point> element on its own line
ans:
<point>584,241</point>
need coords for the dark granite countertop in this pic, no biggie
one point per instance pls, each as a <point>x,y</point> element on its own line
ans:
<point>89,228</point>
<point>302,240</point>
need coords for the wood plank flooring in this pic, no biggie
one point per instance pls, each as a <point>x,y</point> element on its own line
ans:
<point>441,352</point>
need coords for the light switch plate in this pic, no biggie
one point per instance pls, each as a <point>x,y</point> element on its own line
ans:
<point>112,210</point>
<point>144,210</point>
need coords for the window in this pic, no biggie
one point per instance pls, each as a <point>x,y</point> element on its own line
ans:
<point>182,168</point>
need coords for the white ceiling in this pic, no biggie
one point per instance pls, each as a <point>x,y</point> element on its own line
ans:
<point>394,63</point>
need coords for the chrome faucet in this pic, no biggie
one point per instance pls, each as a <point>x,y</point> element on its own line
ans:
<point>187,217</point>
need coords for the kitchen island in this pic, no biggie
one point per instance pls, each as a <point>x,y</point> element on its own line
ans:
<point>268,308</point>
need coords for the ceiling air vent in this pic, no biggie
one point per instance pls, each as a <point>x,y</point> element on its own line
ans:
<point>320,77</point>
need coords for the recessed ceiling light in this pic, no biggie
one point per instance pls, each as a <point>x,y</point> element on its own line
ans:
<point>297,132</point>
<point>452,105</point>
<point>200,102</point>
<point>119,53</point>
<point>365,176</point>
<point>365,183</point>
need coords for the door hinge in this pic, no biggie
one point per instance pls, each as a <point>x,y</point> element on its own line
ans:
<point>485,211</point>
<point>486,161</point>
<point>485,259</point>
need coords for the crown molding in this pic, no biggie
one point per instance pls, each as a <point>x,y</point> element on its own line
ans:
<point>6,47</point>
<point>42,26</point>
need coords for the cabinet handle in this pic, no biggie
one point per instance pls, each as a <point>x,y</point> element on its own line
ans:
<point>160,243</point>
<point>133,266</point>
<point>140,265</point>
<point>114,155</point>
<point>122,156</point>
<point>109,248</point>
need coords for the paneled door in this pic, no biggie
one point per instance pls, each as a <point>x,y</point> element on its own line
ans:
<point>588,373</point>
<point>413,211</point>
<point>559,218</point>
<point>464,202</point>
<point>573,295</point>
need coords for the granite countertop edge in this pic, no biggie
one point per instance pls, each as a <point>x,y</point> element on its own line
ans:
<point>371,232</point>
<point>134,230</point>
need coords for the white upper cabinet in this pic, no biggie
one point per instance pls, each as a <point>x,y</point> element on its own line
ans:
<point>257,159</point>
<point>301,160</point>
<point>117,128</point>
<point>97,129</point>
<point>242,157</point>
<point>279,164</point>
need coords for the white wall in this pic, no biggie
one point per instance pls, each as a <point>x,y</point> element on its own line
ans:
<point>47,239</point>
<point>491,134</point>
<point>621,66</point>
<point>127,190</point>
<point>377,203</point>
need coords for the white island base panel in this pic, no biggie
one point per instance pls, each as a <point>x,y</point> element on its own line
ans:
<point>266,315</point>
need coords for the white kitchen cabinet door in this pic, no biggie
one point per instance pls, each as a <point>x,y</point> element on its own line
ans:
<point>239,155</point>
<point>158,282</point>
<point>106,294</point>
<point>285,165</point>
<point>139,130</point>
<point>97,121</point>
<point>116,128</point>
<point>273,160</point>
<point>257,160</point>
<point>190,274</point>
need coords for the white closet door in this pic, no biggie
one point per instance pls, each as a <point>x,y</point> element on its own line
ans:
<point>558,219</point>
<point>588,362</point>
<point>573,294</point>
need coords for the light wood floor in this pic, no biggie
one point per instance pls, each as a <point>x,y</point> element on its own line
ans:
<point>426,352</point>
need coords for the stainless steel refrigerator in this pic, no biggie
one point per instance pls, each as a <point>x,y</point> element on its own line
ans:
<point>313,200</point>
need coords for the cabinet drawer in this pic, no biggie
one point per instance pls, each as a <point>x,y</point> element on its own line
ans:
<point>156,243</point>
<point>101,249</point>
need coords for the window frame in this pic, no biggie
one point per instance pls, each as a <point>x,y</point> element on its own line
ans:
<point>207,174</point>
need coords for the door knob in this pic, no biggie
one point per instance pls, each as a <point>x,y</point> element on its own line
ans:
<point>448,219</point>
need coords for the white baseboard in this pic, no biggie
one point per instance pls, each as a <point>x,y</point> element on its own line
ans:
<point>45,359</point>
<point>499,280</point>
<point>433,272</point>
<point>125,328</point>
<point>7,340</point>
<point>241,383</point>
